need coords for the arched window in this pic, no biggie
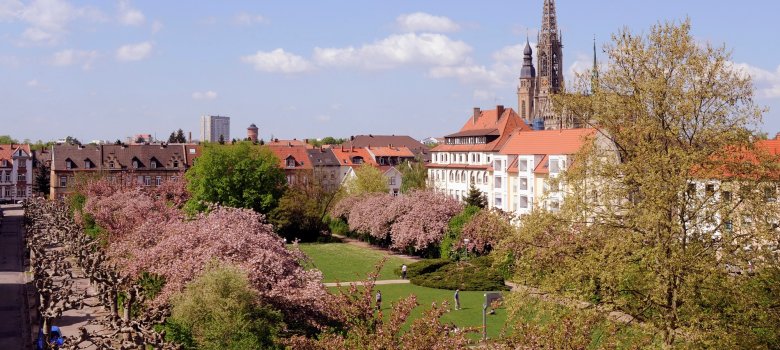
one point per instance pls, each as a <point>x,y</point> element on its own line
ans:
<point>522,110</point>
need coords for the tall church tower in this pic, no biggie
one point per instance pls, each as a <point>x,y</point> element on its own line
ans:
<point>549,56</point>
<point>526,89</point>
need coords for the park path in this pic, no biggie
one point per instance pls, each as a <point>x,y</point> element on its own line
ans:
<point>14,315</point>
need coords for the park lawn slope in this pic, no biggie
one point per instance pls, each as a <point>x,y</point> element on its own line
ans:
<point>342,262</point>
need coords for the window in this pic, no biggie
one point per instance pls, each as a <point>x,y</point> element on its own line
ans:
<point>111,164</point>
<point>709,189</point>
<point>498,165</point>
<point>691,190</point>
<point>87,164</point>
<point>522,165</point>
<point>290,162</point>
<point>21,177</point>
<point>729,226</point>
<point>523,202</point>
<point>381,161</point>
<point>147,180</point>
<point>153,164</point>
<point>479,179</point>
<point>135,164</point>
<point>357,160</point>
<point>726,195</point>
<point>769,194</point>
<point>555,166</point>
<point>392,180</point>
<point>497,201</point>
<point>68,164</point>
<point>8,176</point>
<point>555,206</point>
<point>523,183</point>
<point>63,181</point>
<point>452,175</point>
<point>5,162</point>
<point>158,180</point>
<point>175,163</point>
<point>485,178</point>
<point>462,177</point>
<point>497,182</point>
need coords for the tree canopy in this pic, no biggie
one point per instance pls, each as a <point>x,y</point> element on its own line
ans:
<point>240,175</point>
<point>649,226</point>
<point>367,179</point>
<point>414,175</point>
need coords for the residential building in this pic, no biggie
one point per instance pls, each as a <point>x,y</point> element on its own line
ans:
<point>147,165</point>
<point>525,170</point>
<point>350,158</point>
<point>214,127</point>
<point>466,157</point>
<point>326,167</point>
<point>294,159</point>
<point>16,172</point>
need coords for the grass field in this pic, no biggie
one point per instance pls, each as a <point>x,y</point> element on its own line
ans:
<point>345,263</point>
<point>470,314</point>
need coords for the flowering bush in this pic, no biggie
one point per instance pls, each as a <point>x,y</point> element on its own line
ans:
<point>485,230</point>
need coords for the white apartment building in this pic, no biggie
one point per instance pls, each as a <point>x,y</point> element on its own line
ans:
<point>16,172</point>
<point>467,157</point>
<point>212,127</point>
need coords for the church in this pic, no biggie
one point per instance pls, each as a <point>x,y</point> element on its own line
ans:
<point>535,91</point>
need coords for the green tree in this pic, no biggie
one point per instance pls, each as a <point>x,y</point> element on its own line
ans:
<point>220,310</point>
<point>475,197</point>
<point>179,138</point>
<point>240,175</point>
<point>172,137</point>
<point>367,179</point>
<point>301,212</point>
<point>7,139</point>
<point>647,226</point>
<point>414,175</point>
<point>42,183</point>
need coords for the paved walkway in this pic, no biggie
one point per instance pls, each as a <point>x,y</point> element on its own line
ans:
<point>14,316</point>
<point>336,284</point>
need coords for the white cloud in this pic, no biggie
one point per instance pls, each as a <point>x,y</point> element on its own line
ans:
<point>47,20</point>
<point>71,57</point>
<point>277,61</point>
<point>767,82</point>
<point>134,52</point>
<point>129,15</point>
<point>423,22</point>
<point>207,95</point>
<point>484,95</point>
<point>248,19</point>
<point>33,83</point>
<point>503,72</point>
<point>395,50</point>
<point>9,61</point>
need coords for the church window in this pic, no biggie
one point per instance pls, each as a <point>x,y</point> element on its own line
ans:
<point>522,110</point>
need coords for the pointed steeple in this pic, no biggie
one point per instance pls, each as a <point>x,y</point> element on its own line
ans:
<point>528,70</point>
<point>594,75</point>
<point>549,51</point>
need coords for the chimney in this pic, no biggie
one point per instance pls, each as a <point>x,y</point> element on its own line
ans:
<point>306,141</point>
<point>189,137</point>
<point>777,136</point>
<point>499,111</point>
<point>476,115</point>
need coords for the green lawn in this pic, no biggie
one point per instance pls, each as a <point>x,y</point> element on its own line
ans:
<point>470,314</point>
<point>345,262</point>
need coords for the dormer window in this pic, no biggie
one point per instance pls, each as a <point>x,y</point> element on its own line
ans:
<point>290,162</point>
<point>87,164</point>
<point>153,164</point>
<point>135,164</point>
<point>175,163</point>
<point>111,164</point>
<point>357,160</point>
<point>5,162</point>
<point>68,164</point>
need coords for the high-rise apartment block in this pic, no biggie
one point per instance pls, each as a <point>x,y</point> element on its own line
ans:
<point>213,128</point>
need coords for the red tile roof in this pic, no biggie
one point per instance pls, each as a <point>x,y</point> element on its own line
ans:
<point>555,142</point>
<point>345,155</point>
<point>391,152</point>
<point>488,122</point>
<point>6,151</point>
<point>298,152</point>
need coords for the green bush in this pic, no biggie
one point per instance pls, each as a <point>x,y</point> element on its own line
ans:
<point>454,230</point>
<point>475,274</point>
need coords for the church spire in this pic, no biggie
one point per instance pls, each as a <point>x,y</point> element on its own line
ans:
<point>549,51</point>
<point>594,75</point>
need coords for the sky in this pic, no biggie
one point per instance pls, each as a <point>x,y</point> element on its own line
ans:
<point>106,70</point>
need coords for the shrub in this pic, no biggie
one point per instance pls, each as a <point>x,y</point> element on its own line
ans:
<point>454,232</point>
<point>475,274</point>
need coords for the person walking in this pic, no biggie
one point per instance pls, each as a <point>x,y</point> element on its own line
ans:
<point>457,299</point>
<point>378,300</point>
<point>403,271</point>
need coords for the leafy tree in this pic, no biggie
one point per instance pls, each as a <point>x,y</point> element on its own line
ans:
<point>72,140</point>
<point>454,232</point>
<point>42,183</point>
<point>475,197</point>
<point>301,212</point>
<point>367,179</point>
<point>414,175</point>
<point>180,136</point>
<point>172,137</point>
<point>240,175</point>
<point>636,231</point>
<point>221,311</point>
<point>118,142</point>
<point>7,139</point>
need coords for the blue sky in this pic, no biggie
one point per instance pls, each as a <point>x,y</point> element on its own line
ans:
<point>111,69</point>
